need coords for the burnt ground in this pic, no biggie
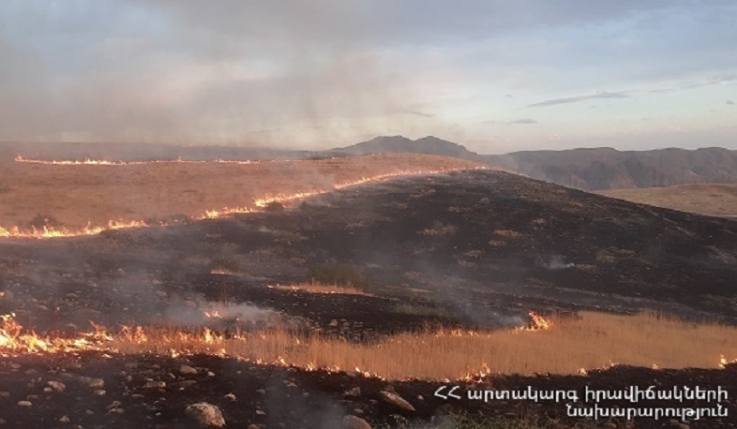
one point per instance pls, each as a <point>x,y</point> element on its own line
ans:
<point>477,248</point>
<point>153,392</point>
<point>473,248</point>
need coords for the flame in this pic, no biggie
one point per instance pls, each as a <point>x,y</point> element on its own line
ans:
<point>538,323</point>
<point>48,232</point>
<point>215,314</point>
<point>88,161</point>
<point>723,362</point>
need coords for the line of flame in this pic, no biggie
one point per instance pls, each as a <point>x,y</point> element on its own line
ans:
<point>88,161</point>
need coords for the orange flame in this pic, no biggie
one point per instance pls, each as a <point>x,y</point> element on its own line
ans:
<point>88,161</point>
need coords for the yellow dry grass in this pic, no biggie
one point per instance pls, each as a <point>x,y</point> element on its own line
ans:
<point>594,341</point>
<point>713,199</point>
<point>77,194</point>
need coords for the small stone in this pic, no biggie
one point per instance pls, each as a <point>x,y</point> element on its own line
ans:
<point>355,392</point>
<point>64,419</point>
<point>25,404</point>
<point>210,374</point>
<point>116,411</point>
<point>207,415</point>
<point>260,412</point>
<point>99,392</point>
<point>95,383</point>
<point>89,412</point>
<point>609,425</point>
<point>395,399</point>
<point>186,383</point>
<point>253,426</point>
<point>353,422</point>
<point>155,385</point>
<point>114,404</point>
<point>230,397</point>
<point>48,390</point>
<point>187,370</point>
<point>56,386</point>
<point>4,395</point>
<point>261,391</point>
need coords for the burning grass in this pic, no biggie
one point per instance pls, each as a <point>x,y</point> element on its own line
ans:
<point>84,196</point>
<point>562,346</point>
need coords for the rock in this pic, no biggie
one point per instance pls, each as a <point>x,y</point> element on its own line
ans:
<point>355,392</point>
<point>353,422</point>
<point>333,323</point>
<point>186,383</point>
<point>94,383</point>
<point>25,404</point>
<point>395,399</point>
<point>4,395</point>
<point>114,404</point>
<point>260,412</point>
<point>57,386</point>
<point>230,397</point>
<point>155,385</point>
<point>187,370</point>
<point>609,425</point>
<point>253,426</point>
<point>99,392</point>
<point>207,415</point>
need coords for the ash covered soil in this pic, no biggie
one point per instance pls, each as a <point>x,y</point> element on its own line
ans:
<point>471,249</point>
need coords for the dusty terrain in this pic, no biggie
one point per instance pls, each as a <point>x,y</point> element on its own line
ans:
<point>73,196</point>
<point>468,251</point>
<point>711,199</point>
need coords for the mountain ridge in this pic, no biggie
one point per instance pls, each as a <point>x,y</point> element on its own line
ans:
<point>589,169</point>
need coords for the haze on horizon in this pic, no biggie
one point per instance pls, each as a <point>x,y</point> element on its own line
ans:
<point>497,76</point>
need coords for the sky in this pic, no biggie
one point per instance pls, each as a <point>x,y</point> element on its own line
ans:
<point>495,75</point>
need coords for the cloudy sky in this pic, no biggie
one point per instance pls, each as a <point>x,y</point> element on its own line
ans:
<point>495,75</point>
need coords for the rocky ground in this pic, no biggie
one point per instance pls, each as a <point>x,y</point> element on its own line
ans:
<point>97,391</point>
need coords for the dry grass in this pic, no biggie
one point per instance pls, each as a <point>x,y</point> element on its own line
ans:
<point>596,340</point>
<point>72,196</point>
<point>709,199</point>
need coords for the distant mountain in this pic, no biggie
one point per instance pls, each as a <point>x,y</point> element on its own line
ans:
<point>587,169</point>
<point>606,168</point>
<point>427,145</point>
